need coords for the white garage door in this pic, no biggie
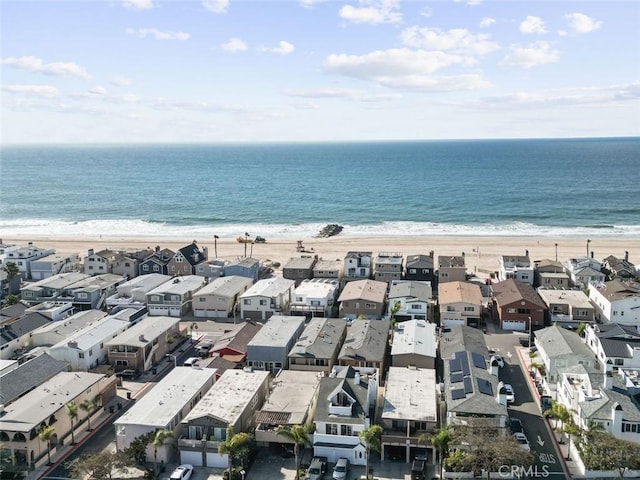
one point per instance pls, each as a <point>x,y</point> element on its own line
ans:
<point>514,325</point>
<point>191,457</point>
<point>452,322</point>
<point>215,460</point>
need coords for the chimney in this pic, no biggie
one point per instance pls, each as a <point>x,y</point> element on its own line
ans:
<point>608,380</point>
<point>356,378</point>
<point>157,248</point>
<point>431,253</point>
<point>91,251</point>
<point>626,254</point>
<point>141,338</point>
<point>72,344</point>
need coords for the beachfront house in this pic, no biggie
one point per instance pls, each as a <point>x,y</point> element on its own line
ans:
<point>409,410</point>
<point>619,268</point>
<point>328,269</point>
<point>157,262</point>
<point>559,348</point>
<point>299,268</point>
<point>616,302</point>
<point>23,257</point>
<point>419,267</point>
<point>358,266</point>
<point>127,263</point>
<point>516,267</point>
<point>363,299</point>
<point>269,349</point>
<point>567,308</point>
<point>460,303</point>
<point>174,298</point>
<point>409,299</point>
<point>133,293</point>
<point>451,268</point>
<point>318,346</point>
<point>211,268</point>
<point>232,401</point>
<point>388,267</point>
<point>53,264</point>
<point>314,297</point>
<point>186,259</point>
<point>220,298</point>
<point>518,305</point>
<point>163,408</point>
<point>145,344</point>
<point>266,298</point>
<point>584,271</point>
<point>614,344</point>
<point>550,274</point>
<point>243,267</point>
<point>414,344</point>
<point>292,401</point>
<point>99,262</point>
<point>365,345</point>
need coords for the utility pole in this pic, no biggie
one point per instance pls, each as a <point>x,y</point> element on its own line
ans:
<point>215,245</point>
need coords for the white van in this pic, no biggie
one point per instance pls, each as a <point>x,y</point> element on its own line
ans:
<point>192,362</point>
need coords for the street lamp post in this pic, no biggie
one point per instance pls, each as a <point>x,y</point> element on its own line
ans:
<point>215,245</point>
<point>588,242</point>
<point>530,332</point>
<point>175,359</point>
<point>242,472</point>
<point>246,240</point>
<point>556,252</point>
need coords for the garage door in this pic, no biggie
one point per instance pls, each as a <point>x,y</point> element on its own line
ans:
<point>191,457</point>
<point>452,322</point>
<point>514,325</point>
<point>215,460</point>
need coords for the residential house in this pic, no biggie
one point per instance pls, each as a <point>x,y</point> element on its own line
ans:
<point>410,409</point>
<point>363,298</point>
<point>451,269</point>
<point>460,303</point>
<point>616,302</point>
<point>211,268</point>
<point>23,378</point>
<point>145,344</point>
<point>318,346</point>
<point>518,306</point>
<point>232,346</point>
<point>366,344</point>
<point>614,344</point>
<point>619,268</point>
<point>269,349</point>
<point>52,310</point>
<point>244,267</point>
<point>515,267</point>
<point>292,401</point>
<point>53,264</point>
<point>471,390</point>
<point>163,408</point>
<point>45,406</point>
<point>174,298</point>
<point>419,267</point>
<point>328,269</point>
<point>559,348</point>
<point>186,259</point>
<point>5,248</point>
<point>414,344</point>
<point>127,263</point>
<point>15,334</point>
<point>91,293</point>
<point>388,267</point>
<point>96,263</point>
<point>409,300</point>
<point>267,297</point>
<point>133,293</point>
<point>314,298</point>
<point>358,266</point>
<point>157,262</point>
<point>86,348</point>
<point>550,274</point>
<point>346,407</point>
<point>299,268</point>
<point>233,401</point>
<point>221,297</point>
<point>52,333</point>
<point>49,289</point>
<point>567,308</point>
<point>585,271</point>
<point>23,257</point>
<point>12,312</point>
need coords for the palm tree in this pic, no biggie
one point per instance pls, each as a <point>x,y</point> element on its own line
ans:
<point>299,434</point>
<point>393,311</point>
<point>158,441</point>
<point>88,406</point>
<point>441,441</point>
<point>231,444</point>
<point>45,434</point>
<point>582,327</point>
<point>570,429</point>
<point>12,271</point>
<point>72,411</point>
<point>371,439</point>
<point>560,413</point>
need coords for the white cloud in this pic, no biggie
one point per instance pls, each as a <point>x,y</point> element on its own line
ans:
<point>283,48</point>
<point>32,90</point>
<point>216,6</point>
<point>310,3</point>
<point>158,34</point>
<point>532,55</point>
<point>234,45</point>
<point>486,22</point>
<point>373,12</point>
<point>471,3</point>
<point>120,81</point>
<point>138,4</point>
<point>582,23</point>
<point>533,24</point>
<point>99,90</point>
<point>324,93</point>
<point>56,69</point>
<point>426,12</point>
<point>457,40</point>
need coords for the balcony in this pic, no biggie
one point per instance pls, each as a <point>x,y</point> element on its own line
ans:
<point>198,444</point>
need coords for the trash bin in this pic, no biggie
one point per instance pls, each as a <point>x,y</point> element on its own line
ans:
<point>111,409</point>
<point>154,370</point>
<point>119,405</point>
<point>128,395</point>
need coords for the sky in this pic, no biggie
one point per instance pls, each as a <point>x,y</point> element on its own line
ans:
<point>155,71</point>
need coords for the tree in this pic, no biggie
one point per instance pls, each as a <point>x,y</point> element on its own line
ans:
<point>233,444</point>
<point>45,434</point>
<point>99,466</point>
<point>602,451</point>
<point>88,406</point>
<point>371,438</point>
<point>558,412</point>
<point>160,436</point>
<point>299,435</point>
<point>137,449</point>
<point>441,441</point>
<point>72,411</point>
<point>395,308</point>
<point>11,300</point>
<point>582,327</point>
<point>12,271</point>
<point>570,428</point>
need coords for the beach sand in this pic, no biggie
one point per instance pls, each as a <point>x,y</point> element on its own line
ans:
<point>481,252</point>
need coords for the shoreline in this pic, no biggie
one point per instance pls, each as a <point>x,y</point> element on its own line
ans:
<point>481,251</point>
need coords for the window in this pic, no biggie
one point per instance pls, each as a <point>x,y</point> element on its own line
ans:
<point>156,268</point>
<point>416,306</point>
<point>91,353</point>
<point>331,429</point>
<point>299,299</point>
<point>246,301</point>
<point>202,299</point>
<point>90,267</point>
<point>618,361</point>
<point>127,264</point>
<point>469,309</point>
<point>145,268</point>
<point>370,306</point>
<point>263,302</point>
<point>450,308</point>
<point>444,274</point>
<point>412,271</point>
<point>80,354</point>
<point>83,296</point>
<point>524,310</point>
<point>346,430</point>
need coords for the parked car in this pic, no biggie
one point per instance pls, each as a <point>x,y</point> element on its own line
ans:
<point>516,425</point>
<point>192,362</point>
<point>525,341</point>
<point>498,359</point>
<point>128,373</point>
<point>182,472</point>
<point>511,396</point>
<point>341,469</point>
<point>418,470</point>
<point>317,469</point>
<point>522,439</point>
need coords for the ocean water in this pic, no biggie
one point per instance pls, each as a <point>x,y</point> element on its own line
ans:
<point>506,187</point>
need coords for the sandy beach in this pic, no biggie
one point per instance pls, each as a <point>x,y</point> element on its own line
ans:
<point>481,252</point>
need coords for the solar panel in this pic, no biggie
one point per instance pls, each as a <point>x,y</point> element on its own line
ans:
<point>457,394</point>
<point>454,365</point>
<point>468,388</point>
<point>485,387</point>
<point>478,360</point>
<point>456,377</point>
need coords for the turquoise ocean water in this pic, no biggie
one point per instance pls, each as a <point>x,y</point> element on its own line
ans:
<point>514,187</point>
